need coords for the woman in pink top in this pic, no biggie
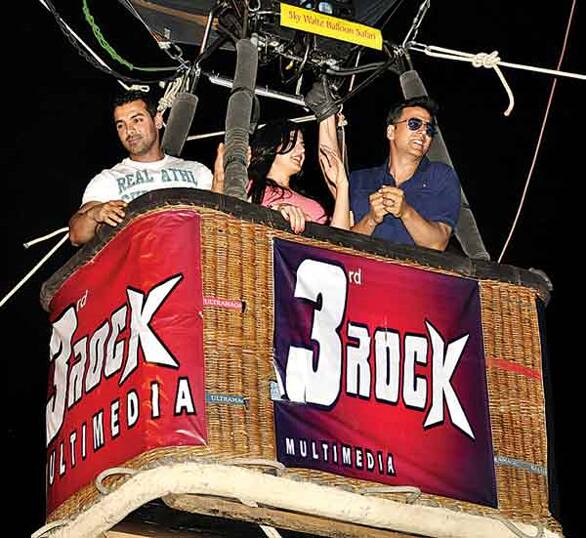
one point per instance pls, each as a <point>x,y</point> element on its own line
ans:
<point>278,153</point>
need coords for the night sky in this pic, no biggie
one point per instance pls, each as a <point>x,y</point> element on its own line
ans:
<point>58,134</point>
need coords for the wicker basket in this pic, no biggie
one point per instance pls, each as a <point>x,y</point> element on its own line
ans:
<point>236,249</point>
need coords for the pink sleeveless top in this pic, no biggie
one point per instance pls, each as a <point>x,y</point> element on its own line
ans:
<point>314,212</point>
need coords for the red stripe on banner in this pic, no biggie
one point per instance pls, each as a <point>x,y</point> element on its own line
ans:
<point>509,366</point>
<point>223,303</point>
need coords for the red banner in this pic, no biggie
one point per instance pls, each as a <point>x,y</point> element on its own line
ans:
<point>381,373</point>
<point>126,353</point>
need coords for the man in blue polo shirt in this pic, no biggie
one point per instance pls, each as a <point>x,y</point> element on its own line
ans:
<point>409,199</point>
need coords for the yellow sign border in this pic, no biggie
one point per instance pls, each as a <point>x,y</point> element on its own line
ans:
<point>325,25</point>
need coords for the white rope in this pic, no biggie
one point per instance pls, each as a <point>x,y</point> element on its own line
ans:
<point>104,490</point>
<point>33,270</point>
<point>540,137</point>
<point>517,531</point>
<point>134,87</point>
<point>353,78</point>
<point>45,237</point>
<point>205,135</point>
<point>413,491</point>
<point>490,61</point>
<point>421,12</point>
<point>49,526</point>
<point>170,94</point>
<point>451,54</point>
<point>322,501</point>
<point>277,466</point>
<point>300,119</point>
<point>269,531</point>
<point>482,59</point>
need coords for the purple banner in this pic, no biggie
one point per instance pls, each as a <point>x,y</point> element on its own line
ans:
<point>381,373</point>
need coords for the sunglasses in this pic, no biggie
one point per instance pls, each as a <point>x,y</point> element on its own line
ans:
<point>414,124</point>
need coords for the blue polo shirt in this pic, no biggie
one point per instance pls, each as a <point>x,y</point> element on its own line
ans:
<point>433,191</point>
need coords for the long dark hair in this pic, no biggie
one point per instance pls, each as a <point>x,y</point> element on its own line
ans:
<point>275,138</point>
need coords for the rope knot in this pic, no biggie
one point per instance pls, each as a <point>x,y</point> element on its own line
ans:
<point>482,59</point>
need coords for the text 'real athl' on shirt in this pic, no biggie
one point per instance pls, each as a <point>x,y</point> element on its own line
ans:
<point>130,179</point>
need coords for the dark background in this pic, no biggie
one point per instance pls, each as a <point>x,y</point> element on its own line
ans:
<point>58,134</point>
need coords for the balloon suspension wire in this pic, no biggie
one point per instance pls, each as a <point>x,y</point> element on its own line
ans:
<point>540,138</point>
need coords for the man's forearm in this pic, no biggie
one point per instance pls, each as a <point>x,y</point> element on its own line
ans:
<point>83,225</point>
<point>365,226</point>
<point>82,228</point>
<point>425,233</point>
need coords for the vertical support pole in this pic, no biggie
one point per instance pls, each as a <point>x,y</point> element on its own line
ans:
<point>238,116</point>
<point>466,231</point>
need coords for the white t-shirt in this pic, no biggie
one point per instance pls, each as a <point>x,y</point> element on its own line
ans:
<point>129,179</point>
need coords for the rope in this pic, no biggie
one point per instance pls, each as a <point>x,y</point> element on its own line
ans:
<point>49,526</point>
<point>341,125</point>
<point>110,50</point>
<point>482,59</point>
<point>45,237</point>
<point>490,61</point>
<point>419,16</point>
<point>278,467</point>
<point>396,6</point>
<point>353,79</point>
<point>68,31</point>
<point>110,472</point>
<point>326,502</point>
<point>414,498</point>
<point>451,54</point>
<point>414,492</point>
<point>300,119</point>
<point>90,56</point>
<point>540,138</point>
<point>170,94</point>
<point>35,268</point>
<point>269,531</point>
<point>516,530</point>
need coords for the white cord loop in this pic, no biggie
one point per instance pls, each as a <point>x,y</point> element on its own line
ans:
<point>490,61</point>
<point>517,531</point>
<point>170,94</point>
<point>413,492</point>
<point>49,526</point>
<point>269,531</point>
<point>134,87</point>
<point>299,119</point>
<point>34,269</point>
<point>104,490</point>
<point>45,237</point>
<point>482,59</point>
<point>276,466</point>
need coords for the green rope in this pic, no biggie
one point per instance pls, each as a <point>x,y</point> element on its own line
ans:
<point>108,48</point>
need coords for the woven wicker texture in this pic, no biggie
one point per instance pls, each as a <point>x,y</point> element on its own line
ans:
<point>237,265</point>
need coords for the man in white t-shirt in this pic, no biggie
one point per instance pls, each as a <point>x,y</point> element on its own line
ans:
<point>145,169</point>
